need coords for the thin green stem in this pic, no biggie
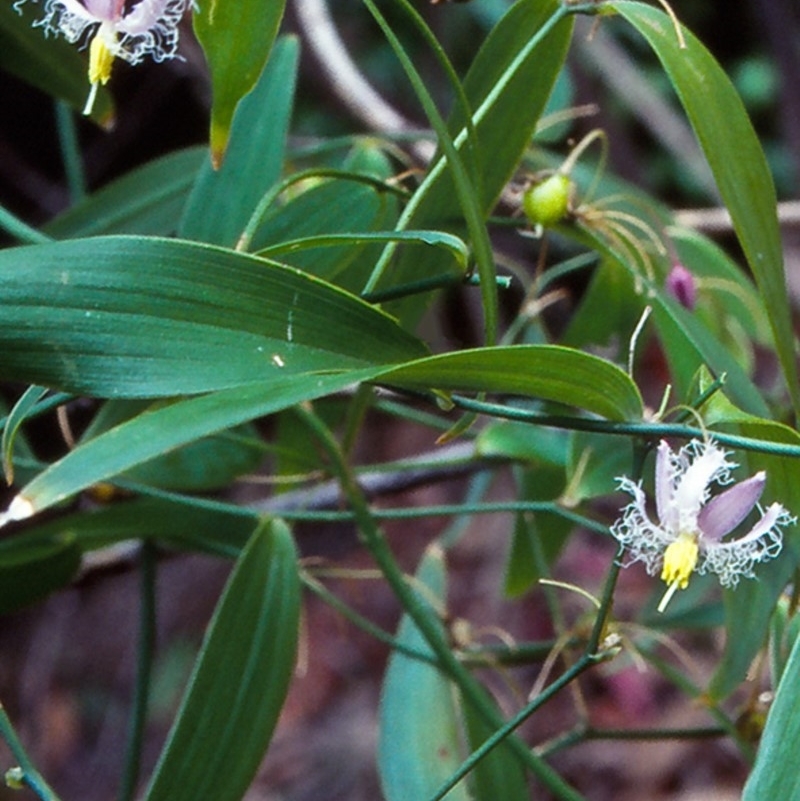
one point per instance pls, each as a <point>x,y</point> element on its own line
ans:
<point>144,663</point>
<point>679,679</point>
<point>606,602</point>
<point>484,109</point>
<point>557,271</point>
<point>569,675</point>
<point>599,629</point>
<point>361,622</point>
<point>70,151</point>
<point>415,607</point>
<point>523,653</point>
<point>394,513</point>
<point>698,733</point>
<point>20,230</point>
<point>428,284</point>
<point>463,172</point>
<point>27,773</point>
<point>413,414</point>
<point>271,195</point>
<point>356,412</point>
<point>478,487</point>
<point>641,429</point>
<point>581,733</point>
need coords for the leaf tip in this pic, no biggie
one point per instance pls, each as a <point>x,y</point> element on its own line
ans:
<point>20,508</point>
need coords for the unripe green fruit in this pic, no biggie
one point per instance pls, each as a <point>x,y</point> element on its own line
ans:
<point>547,202</point>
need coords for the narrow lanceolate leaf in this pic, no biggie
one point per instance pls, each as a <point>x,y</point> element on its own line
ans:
<point>147,200</point>
<point>163,429</point>
<point>179,525</point>
<point>140,317</point>
<point>775,771</point>
<point>447,242</point>
<point>51,64</point>
<point>16,418</point>
<point>240,680</point>
<point>736,158</point>
<point>549,372</point>
<point>419,739</point>
<point>224,198</point>
<point>201,466</point>
<point>236,36</point>
<point>507,87</point>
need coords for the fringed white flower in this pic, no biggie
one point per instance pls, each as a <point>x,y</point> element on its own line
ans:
<point>117,30</point>
<point>688,536</point>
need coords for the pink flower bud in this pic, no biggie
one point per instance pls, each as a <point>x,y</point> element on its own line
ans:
<point>682,286</point>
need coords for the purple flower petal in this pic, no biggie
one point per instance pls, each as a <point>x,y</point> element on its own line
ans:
<point>774,515</point>
<point>725,511</point>
<point>108,10</point>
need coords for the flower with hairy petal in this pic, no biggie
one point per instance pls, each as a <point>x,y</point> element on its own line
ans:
<point>689,535</point>
<point>117,30</point>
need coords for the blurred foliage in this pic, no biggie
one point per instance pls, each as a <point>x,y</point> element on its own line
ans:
<point>238,306</point>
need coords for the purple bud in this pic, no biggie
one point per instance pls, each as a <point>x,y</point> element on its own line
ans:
<point>682,286</point>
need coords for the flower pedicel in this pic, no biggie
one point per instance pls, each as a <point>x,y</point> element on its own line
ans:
<point>688,536</point>
<point>150,27</point>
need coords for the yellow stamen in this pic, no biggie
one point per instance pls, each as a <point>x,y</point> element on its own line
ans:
<point>100,60</point>
<point>680,559</point>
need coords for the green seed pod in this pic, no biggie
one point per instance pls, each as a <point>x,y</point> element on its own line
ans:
<point>547,202</point>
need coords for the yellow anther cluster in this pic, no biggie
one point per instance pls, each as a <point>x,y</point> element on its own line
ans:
<point>101,60</point>
<point>680,559</point>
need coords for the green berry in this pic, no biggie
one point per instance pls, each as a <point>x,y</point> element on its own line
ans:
<point>547,202</point>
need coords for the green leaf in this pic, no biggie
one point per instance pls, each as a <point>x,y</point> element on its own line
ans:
<point>549,372</point>
<point>329,207</point>
<point>737,161</point>
<point>223,199</point>
<point>460,164</point>
<point>16,418</point>
<point>178,525</point>
<point>750,606</point>
<point>726,294</point>
<point>160,430</point>
<point>128,317</point>
<point>524,442</point>
<point>51,64</point>
<point>419,736</point>
<point>538,536</point>
<point>241,678</point>
<point>595,461</point>
<point>31,571</point>
<point>507,85</point>
<point>237,38</point>
<point>500,774</point>
<point>775,774</point>
<point>452,244</point>
<point>205,464</point>
<point>783,634</point>
<point>728,304</point>
<point>148,200</point>
<point>687,343</point>
<point>608,312</point>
